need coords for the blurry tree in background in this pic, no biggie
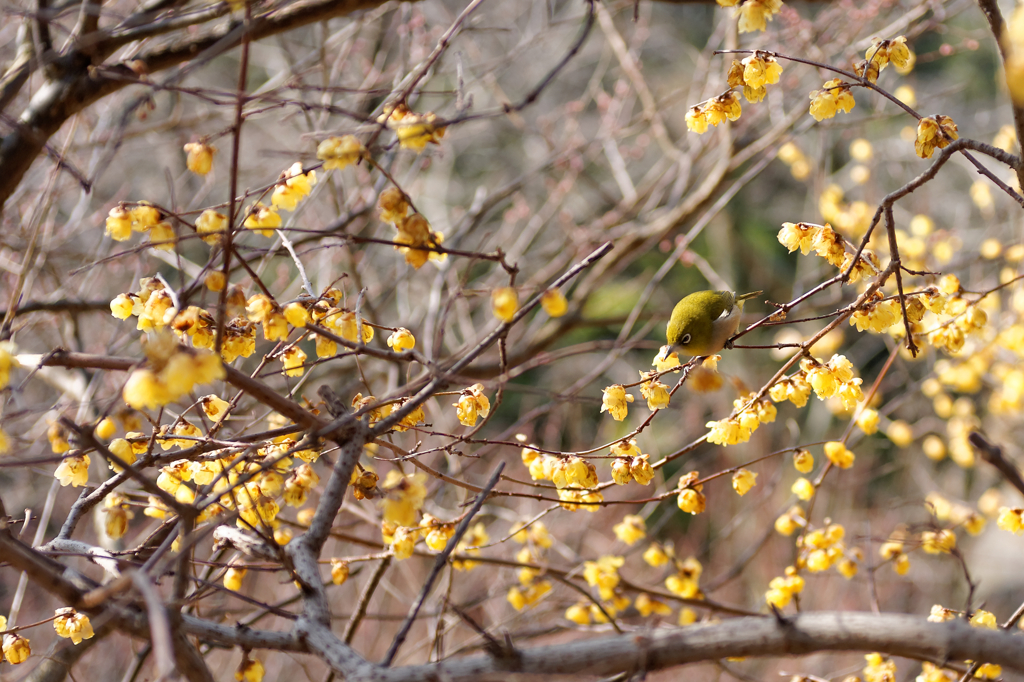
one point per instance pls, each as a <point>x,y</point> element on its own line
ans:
<point>332,339</point>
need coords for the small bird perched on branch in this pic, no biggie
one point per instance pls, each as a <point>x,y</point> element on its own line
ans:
<point>702,322</point>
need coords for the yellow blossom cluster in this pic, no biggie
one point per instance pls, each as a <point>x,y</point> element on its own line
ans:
<point>690,498</point>
<point>823,548</point>
<point>753,74</point>
<point>737,429</point>
<point>894,550</point>
<point>293,186</point>
<point>834,96</point>
<point>476,537</point>
<point>685,582</point>
<point>172,372</point>
<point>934,132</point>
<point>339,152</point>
<point>630,464</point>
<point>603,574</point>
<point>404,495</point>
<point>370,402</point>
<point>416,241</point>
<point>414,131</point>
<point>879,669</point>
<point>754,15</point>
<point>631,529</point>
<point>200,326</point>
<point>472,403</point>
<point>725,107</point>
<point>957,514</point>
<point>792,520</point>
<point>821,239</point>
<point>124,219</point>
<point>530,589</point>
<point>880,54</point>
<point>782,589</point>
<point>852,218</point>
<point>536,533</point>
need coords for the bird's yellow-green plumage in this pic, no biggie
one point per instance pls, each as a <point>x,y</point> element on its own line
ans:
<point>702,322</point>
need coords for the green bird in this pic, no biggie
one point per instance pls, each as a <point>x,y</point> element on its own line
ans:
<point>702,322</point>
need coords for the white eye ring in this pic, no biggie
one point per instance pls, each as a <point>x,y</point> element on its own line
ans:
<point>685,340</point>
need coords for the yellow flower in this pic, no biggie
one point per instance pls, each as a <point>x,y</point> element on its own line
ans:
<point>838,454</point>
<point>211,225</point>
<point>803,489</point>
<point>392,205</point>
<point>665,360</point>
<point>472,402</point>
<point>214,407</point>
<point>729,431</point>
<point>691,501</point>
<point>72,625</point>
<point>641,470</point>
<point>655,556</point>
<point>743,480</point>
<point>292,187</point>
<point>1011,519</point>
<point>262,219</point>
<point>554,303</point>
<point>73,471</point>
<point>803,461</point>
<point>754,14</point>
<point>938,542</point>
<point>615,402</point>
<point>631,529</point>
<point>401,340</point>
<point>294,360</point>
<point>934,132</point>
<point>119,224</point>
<point>867,420</point>
<point>648,605</point>
<point>695,118</point>
<point>984,619</point>
<point>833,97</point>
<point>504,303</point>
<point>414,131</point>
<point>878,669</point>
<point>404,496</point>
<point>296,314</point>
<point>233,577</point>
<point>655,392</point>
<point>579,614</point>
<point>792,520</point>
<point>339,571</point>
<point>339,152</point>
<point>16,648</point>
<point>249,670</point>
<point>200,157</point>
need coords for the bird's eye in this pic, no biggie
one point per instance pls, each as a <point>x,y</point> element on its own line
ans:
<point>686,339</point>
